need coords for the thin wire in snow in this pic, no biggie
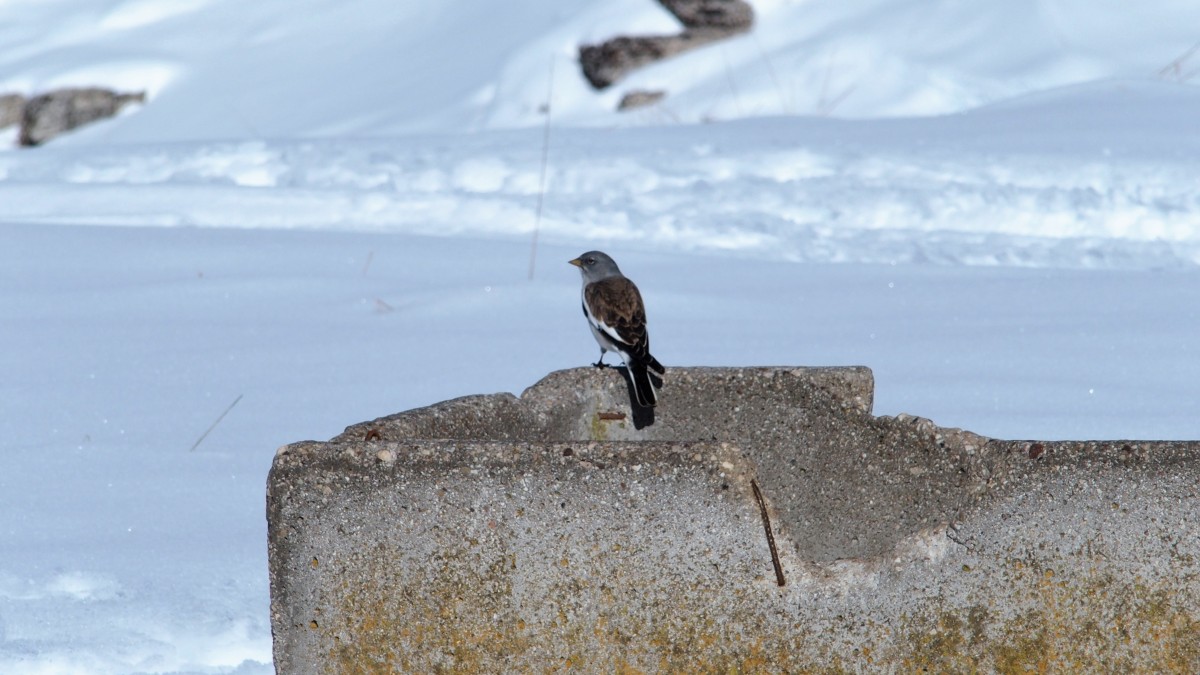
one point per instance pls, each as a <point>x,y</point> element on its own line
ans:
<point>537,219</point>
<point>214,424</point>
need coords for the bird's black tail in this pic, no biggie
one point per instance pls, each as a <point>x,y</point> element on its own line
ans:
<point>643,388</point>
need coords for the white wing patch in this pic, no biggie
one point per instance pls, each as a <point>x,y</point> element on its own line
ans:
<point>610,332</point>
<point>605,334</point>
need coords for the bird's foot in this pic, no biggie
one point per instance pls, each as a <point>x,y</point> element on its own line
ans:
<point>601,364</point>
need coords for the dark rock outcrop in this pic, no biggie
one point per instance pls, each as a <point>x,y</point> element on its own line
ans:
<point>11,106</point>
<point>734,16</point>
<point>51,114</point>
<point>704,21</point>
<point>640,99</point>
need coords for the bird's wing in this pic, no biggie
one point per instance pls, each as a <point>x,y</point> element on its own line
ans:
<point>616,308</point>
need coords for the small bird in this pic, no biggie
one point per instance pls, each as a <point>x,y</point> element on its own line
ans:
<point>615,313</point>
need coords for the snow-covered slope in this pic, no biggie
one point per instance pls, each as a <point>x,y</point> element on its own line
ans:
<point>1096,175</point>
<point>226,69</point>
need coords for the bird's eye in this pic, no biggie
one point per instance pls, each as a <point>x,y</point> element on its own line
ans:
<point>590,261</point>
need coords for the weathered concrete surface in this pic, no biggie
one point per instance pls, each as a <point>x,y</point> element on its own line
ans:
<point>547,533</point>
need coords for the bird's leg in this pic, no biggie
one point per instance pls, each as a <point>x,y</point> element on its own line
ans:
<point>601,363</point>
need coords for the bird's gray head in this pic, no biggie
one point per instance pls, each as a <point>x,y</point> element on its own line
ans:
<point>596,266</point>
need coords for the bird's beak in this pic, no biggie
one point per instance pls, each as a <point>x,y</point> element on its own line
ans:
<point>576,262</point>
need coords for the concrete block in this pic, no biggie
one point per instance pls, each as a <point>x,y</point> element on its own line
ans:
<point>762,520</point>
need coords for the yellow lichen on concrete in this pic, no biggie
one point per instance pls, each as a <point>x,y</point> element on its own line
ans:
<point>458,623</point>
<point>441,622</point>
<point>1061,624</point>
<point>453,623</point>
